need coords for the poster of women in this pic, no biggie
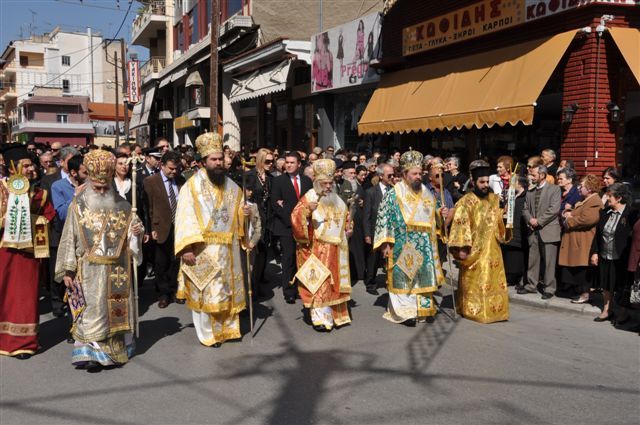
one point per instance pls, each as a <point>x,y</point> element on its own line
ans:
<point>342,54</point>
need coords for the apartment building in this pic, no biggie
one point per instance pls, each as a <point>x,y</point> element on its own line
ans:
<point>265,96</point>
<point>76,63</point>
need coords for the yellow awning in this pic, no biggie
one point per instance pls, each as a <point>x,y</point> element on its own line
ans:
<point>628,41</point>
<point>496,87</point>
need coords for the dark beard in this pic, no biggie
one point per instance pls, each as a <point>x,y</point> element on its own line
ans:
<point>217,176</point>
<point>416,185</point>
<point>481,194</point>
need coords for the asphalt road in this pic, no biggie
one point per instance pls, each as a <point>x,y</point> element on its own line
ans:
<point>539,367</point>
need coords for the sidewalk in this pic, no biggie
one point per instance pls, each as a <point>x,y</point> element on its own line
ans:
<point>555,303</point>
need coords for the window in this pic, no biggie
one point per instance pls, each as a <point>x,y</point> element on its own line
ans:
<point>66,60</point>
<point>179,35</point>
<point>24,60</point>
<point>62,118</point>
<point>65,86</point>
<point>193,22</point>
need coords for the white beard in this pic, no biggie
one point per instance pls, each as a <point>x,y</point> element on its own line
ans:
<point>97,201</point>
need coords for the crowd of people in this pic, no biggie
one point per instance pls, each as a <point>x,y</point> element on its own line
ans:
<point>203,222</point>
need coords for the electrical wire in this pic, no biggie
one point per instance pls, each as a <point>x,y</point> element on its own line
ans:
<point>107,43</point>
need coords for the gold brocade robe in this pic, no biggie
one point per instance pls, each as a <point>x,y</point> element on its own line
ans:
<point>97,245</point>
<point>209,220</point>
<point>322,233</point>
<point>482,292</point>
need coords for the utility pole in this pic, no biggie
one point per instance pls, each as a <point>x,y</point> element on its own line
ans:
<point>115,65</point>
<point>213,63</point>
<point>124,91</point>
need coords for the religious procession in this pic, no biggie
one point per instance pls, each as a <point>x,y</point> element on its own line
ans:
<point>321,211</point>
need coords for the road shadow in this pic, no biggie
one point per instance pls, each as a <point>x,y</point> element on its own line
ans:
<point>152,331</point>
<point>52,332</point>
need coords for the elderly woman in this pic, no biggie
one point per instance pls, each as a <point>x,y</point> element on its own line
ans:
<point>611,245</point>
<point>570,193</point>
<point>579,223</point>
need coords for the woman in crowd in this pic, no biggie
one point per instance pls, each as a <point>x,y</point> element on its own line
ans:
<point>570,193</point>
<point>499,182</point>
<point>611,245</point>
<point>260,179</point>
<point>579,225</point>
<point>633,267</point>
<point>122,177</point>
<point>609,177</point>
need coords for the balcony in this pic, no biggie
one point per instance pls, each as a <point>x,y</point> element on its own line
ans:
<point>147,24</point>
<point>152,68</point>
<point>8,91</point>
<point>9,67</point>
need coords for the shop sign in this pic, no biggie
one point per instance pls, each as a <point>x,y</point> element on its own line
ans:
<point>341,55</point>
<point>481,18</point>
<point>183,122</point>
<point>133,83</point>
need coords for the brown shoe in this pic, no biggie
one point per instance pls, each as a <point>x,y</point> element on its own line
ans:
<point>163,303</point>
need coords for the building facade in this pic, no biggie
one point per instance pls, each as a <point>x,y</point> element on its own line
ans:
<point>265,96</point>
<point>484,78</point>
<point>75,63</point>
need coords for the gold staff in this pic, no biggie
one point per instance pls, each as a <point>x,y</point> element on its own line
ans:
<point>247,251</point>
<point>134,160</point>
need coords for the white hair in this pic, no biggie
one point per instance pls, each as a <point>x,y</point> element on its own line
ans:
<point>100,201</point>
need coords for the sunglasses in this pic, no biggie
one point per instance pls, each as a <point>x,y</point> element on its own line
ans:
<point>55,150</point>
<point>390,176</point>
<point>268,161</point>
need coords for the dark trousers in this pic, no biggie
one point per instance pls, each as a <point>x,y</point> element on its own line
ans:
<point>56,290</point>
<point>166,268</point>
<point>373,262</point>
<point>259,264</point>
<point>288,246</point>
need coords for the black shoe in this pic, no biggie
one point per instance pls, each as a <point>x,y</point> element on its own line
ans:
<point>602,319</point>
<point>163,303</point>
<point>523,291</point>
<point>372,291</point>
<point>410,323</point>
<point>217,345</point>
<point>70,340</point>
<point>180,301</point>
<point>290,300</point>
<point>430,319</point>
<point>547,296</point>
<point>23,356</point>
<point>93,367</point>
<point>319,328</point>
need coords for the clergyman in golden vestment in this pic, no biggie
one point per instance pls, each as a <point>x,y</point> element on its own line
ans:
<point>99,238</point>
<point>476,234</point>
<point>320,224</point>
<point>209,229</point>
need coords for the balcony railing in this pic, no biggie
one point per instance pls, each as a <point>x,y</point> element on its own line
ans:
<point>154,8</point>
<point>154,65</point>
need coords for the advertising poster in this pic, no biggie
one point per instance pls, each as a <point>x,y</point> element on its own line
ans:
<point>341,55</point>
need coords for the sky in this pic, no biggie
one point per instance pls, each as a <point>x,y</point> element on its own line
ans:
<point>22,17</point>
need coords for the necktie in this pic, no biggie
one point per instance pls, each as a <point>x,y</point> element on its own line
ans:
<point>296,187</point>
<point>172,201</point>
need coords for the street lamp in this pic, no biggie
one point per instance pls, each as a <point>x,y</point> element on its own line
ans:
<point>569,112</point>
<point>614,112</point>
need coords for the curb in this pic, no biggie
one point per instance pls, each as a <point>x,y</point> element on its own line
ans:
<point>556,304</point>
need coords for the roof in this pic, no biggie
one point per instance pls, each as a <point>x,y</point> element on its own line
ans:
<point>105,111</point>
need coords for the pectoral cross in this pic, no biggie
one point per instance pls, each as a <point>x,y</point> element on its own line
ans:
<point>119,277</point>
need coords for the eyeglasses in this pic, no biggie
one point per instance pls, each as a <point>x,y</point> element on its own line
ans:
<point>390,176</point>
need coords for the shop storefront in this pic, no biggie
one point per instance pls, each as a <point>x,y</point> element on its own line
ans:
<point>485,78</point>
<point>266,100</point>
<point>342,78</point>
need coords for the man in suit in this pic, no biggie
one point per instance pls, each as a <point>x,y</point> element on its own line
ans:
<point>55,229</point>
<point>541,214</point>
<point>288,188</point>
<point>161,191</point>
<point>353,196</point>
<point>151,165</point>
<point>372,198</point>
